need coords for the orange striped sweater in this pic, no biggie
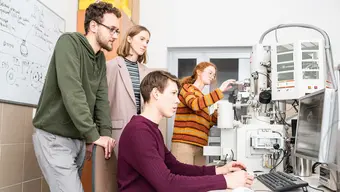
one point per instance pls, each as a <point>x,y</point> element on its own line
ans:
<point>193,121</point>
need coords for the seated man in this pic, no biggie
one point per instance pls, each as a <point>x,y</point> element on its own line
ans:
<point>145,163</point>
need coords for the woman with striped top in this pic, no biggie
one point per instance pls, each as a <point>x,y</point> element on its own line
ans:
<point>124,74</point>
<point>193,120</point>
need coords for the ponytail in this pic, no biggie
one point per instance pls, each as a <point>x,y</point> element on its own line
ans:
<point>188,80</point>
<point>200,67</point>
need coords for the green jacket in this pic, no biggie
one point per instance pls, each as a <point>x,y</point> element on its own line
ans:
<point>74,100</point>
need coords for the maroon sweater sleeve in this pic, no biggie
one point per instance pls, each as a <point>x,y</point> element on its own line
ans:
<point>145,157</point>
<point>177,167</point>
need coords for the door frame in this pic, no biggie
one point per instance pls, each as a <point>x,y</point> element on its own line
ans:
<point>202,54</point>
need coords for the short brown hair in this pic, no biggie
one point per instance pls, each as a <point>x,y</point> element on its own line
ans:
<point>124,47</point>
<point>95,12</point>
<point>156,79</point>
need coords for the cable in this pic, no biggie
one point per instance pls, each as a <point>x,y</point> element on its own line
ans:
<point>232,153</point>
<point>283,118</point>
<point>297,104</point>
<point>235,113</point>
<point>283,157</point>
<point>288,168</point>
<point>270,81</point>
<point>314,166</point>
<point>232,157</point>
<point>290,108</point>
<point>294,104</point>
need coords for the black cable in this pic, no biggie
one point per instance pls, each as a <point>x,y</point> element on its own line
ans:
<point>282,120</point>
<point>272,169</point>
<point>288,167</point>
<point>297,104</point>
<point>232,157</point>
<point>295,101</point>
<point>225,159</point>
<point>283,157</point>
<point>235,114</point>
<point>295,108</point>
<point>232,152</point>
<point>270,81</point>
<point>314,166</point>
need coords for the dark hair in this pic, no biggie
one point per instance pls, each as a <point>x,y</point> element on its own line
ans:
<point>156,79</point>
<point>96,11</point>
<point>200,67</point>
<point>124,47</point>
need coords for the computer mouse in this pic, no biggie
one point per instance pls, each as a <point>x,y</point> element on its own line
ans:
<point>242,189</point>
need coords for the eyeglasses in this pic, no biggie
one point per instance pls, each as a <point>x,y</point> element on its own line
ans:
<point>113,30</point>
<point>210,73</point>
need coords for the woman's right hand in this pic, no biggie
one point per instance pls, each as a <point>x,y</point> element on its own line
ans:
<point>226,85</point>
<point>239,179</point>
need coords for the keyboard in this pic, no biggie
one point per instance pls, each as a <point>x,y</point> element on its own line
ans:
<point>280,181</point>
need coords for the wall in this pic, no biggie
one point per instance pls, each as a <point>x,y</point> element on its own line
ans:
<point>200,23</point>
<point>19,170</point>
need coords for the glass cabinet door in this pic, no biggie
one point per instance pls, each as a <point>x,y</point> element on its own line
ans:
<point>186,66</point>
<point>231,64</point>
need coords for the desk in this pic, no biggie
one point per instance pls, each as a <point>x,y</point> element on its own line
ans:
<point>312,181</point>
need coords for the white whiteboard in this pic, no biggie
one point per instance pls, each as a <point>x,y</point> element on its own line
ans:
<point>28,33</point>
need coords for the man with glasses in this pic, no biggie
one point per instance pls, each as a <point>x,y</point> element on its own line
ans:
<point>73,110</point>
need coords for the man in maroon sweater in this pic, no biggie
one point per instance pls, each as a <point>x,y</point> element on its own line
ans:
<point>144,162</point>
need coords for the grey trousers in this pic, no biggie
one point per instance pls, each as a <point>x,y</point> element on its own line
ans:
<point>60,159</point>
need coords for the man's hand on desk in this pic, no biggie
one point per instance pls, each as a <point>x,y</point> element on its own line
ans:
<point>230,167</point>
<point>107,143</point>
<point>239,179</point>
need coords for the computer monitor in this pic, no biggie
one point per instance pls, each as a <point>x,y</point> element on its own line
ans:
<point>317,126</point>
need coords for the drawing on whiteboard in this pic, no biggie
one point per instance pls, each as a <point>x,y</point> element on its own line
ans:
<point>24,71</point>
<point>36,76</point>
<point>23,49</point>
<point>28,33</point>
<point>4,65</point>
<point>10,77</point>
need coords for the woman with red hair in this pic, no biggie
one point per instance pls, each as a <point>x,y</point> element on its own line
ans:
<point>193,120</point>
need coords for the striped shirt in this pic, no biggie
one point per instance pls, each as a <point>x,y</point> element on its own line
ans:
<point>193,121</point>
<point>134,75</point>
